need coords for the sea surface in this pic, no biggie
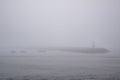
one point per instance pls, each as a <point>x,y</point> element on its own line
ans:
<point>23,62</point>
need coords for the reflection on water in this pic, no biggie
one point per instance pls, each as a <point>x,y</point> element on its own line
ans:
<point>31,62</point>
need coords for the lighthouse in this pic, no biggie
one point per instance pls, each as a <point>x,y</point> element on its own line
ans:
<point>93,44</point>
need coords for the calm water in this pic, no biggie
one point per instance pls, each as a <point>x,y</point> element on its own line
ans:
<point>57,63</point>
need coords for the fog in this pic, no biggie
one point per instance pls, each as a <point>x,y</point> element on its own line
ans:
<point>59,23</point>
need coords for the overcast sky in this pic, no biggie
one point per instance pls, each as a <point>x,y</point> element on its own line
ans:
<point>60,23</point>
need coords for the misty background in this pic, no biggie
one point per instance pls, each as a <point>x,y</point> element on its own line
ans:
<point>59,23</point>
<point>68,23</point>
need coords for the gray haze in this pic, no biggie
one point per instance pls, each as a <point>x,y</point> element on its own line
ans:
<point>59,24</point>
<point>73,23</point>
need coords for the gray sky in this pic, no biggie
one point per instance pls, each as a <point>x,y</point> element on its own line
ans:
<point>60,23</point>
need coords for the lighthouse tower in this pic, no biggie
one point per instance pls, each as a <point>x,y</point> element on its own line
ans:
<point>93,44</point>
